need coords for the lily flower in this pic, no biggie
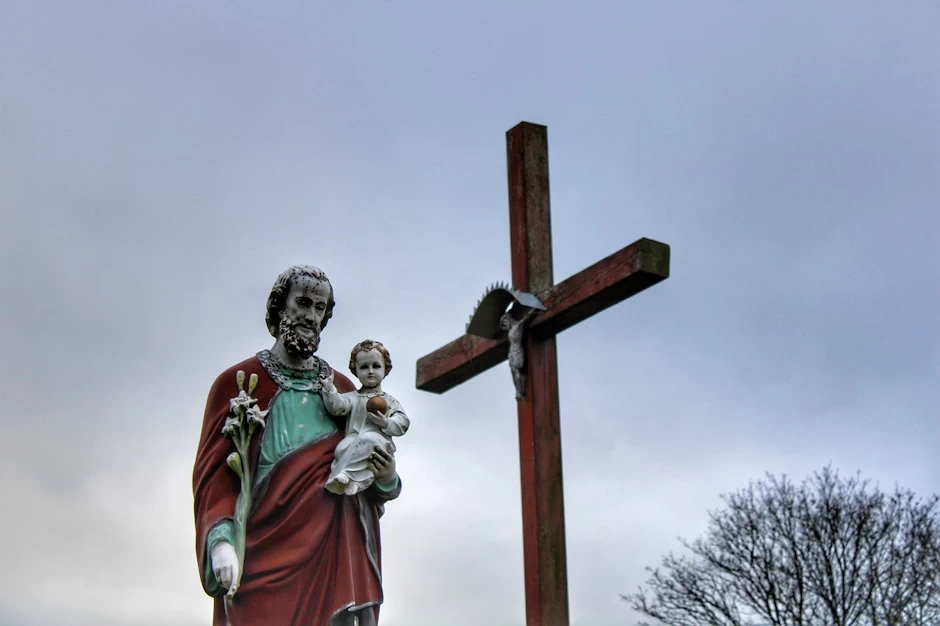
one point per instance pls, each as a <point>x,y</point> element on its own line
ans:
<point>256,416</point>
<point>242,402</point>
<point>232,424</point>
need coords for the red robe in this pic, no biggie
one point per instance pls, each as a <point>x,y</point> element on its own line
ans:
<point>309,553</point>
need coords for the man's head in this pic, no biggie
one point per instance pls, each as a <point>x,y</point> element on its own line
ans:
<point>299,307</point>
<point>506,320</point>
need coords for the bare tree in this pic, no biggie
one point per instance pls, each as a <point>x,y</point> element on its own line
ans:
<point>828,552</point>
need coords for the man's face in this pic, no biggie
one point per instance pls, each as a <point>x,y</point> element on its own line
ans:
<point>303,315</point>
<point>505,321</point>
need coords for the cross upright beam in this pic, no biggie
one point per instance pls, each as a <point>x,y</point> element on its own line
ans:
<point>530,224</point>
<point>543,507</point>
<point>615,278</point>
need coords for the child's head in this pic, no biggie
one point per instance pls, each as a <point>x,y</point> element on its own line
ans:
<point>370,362</point>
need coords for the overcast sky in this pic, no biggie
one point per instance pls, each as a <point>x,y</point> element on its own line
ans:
<point>162,162</point>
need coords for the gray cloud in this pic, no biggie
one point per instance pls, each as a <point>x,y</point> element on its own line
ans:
<point>159,165</point>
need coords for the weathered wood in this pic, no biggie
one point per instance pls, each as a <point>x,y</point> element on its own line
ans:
<point>530,224</point>
<point>458,362</point>
<point>543,507</point>
<point>617,277</point>
<point>624,273</point>
<point>543,510</point>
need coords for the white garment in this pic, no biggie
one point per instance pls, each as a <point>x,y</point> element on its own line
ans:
<point>350,473</point>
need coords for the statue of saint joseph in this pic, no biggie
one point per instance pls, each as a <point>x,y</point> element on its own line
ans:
<point>312,558</point>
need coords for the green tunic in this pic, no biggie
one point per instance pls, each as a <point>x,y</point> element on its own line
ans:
<point>299,417</point>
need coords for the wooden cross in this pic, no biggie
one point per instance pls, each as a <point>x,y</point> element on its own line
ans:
<point>619,276</point>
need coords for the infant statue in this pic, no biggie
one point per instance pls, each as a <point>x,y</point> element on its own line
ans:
<point>373,417</point>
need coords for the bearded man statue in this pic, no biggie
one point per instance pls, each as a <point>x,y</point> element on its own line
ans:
<point>312,558</point>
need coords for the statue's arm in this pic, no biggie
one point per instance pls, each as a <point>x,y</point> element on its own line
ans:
<point>224,530</point>
<point>398,422</point>
<point>386,491</point>
<point>222,533</point>
<point>336,403</point>
<point>387,485</point>
<point>380,493</point>
<point>215,486</point>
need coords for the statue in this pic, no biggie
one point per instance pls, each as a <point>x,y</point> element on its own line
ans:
<point>515,329</point>
<point>490,318</point>
<point>373,418</point>
<point>309,556</point>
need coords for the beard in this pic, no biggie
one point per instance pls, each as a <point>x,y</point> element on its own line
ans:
<point>296,344</point>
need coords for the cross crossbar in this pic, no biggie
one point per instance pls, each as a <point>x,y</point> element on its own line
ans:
<point>624,273</point>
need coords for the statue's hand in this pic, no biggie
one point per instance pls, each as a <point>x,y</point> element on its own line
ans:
<point>224,563</point>
<point>382,464</point>
<point>327,384</point>
<point>379,419</point>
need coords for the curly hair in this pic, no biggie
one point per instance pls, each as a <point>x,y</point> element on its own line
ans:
<point>277,299</point>
<point>365,346</point>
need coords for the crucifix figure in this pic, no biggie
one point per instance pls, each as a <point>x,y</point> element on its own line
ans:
<point>515,332</point>
<point>617,277</point>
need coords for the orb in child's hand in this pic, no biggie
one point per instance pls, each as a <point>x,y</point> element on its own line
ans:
<point>376,404</point>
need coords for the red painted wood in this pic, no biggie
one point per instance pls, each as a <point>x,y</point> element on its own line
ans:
<point>624,273</point>
<point>458,362</point>
<point>530,226</point>
<point>615,278</point>
<point>543,511</point>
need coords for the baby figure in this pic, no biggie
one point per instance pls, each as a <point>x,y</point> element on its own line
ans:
<point>372,418</point>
